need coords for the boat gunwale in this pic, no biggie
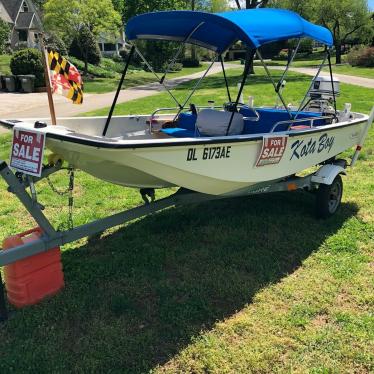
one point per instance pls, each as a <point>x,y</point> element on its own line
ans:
<point>73,138</point>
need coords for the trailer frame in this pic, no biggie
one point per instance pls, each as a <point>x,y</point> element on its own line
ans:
<point>52,238</point>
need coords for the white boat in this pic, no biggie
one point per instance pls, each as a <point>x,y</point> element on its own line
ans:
<point>227,150</point>
<point>211,153</point>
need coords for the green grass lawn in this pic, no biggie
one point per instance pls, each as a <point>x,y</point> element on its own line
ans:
<point>4,64</point>
<point>134,78</point>
<point>258,86</point>
<point>103,85</point>
<point>242,285</point>
<point>339,69</point>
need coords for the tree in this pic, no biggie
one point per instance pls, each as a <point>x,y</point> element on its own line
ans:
<point>345,19</point>
<point>218,6</point>
<point>251,4</point>
<point>39,3</point>
<point>85,47</point>
<point>133,8</point>
<point>4,35</point>
<point>67,18</point>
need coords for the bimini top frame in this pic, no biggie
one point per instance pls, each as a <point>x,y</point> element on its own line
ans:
<point>218,32</point>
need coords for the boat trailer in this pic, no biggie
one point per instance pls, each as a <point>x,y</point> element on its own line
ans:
<point>18,184</point>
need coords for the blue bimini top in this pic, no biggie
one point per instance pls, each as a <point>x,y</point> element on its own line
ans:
<point>218,31</point>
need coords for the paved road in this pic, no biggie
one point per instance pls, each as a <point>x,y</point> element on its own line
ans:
<point>35,105</point>
<point>358,81</point>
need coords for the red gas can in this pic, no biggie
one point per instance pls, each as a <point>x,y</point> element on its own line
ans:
<point>30,280</point>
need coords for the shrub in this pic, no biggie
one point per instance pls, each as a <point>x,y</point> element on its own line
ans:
<point>28,61</point>
<point>4,35</point>
<point>270,50</point>
<point>96,71</point>
<point>191,62</point>
<point>135,60</point>
<point>283,54</point>
<point>85,45</point>
<point>56,43</point>
<point>158,53</point>
<point>110,64</point>
<point>306,46</point>
<point>175,67</point>
<point>361,56</point>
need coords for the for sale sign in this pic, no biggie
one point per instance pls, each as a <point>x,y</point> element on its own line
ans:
<point>27,151</point>
<point>272,150</point>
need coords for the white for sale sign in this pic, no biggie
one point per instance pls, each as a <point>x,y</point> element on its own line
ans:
<point>273,148</point>
<point>27,151</point>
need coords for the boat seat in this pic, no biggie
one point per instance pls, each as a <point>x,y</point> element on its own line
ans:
<point>268,117</point>
<point>212,122</point>
<point>186,127</point>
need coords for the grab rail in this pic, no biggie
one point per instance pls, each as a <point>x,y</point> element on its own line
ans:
<point>256,118</point>
<point>170,109</point>
<point>293,121</point>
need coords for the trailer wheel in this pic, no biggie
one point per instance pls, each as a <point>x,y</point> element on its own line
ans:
<point>329,197</point>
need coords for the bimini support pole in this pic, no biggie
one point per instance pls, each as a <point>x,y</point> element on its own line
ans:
<point>195,88</point>
<point>118,91</point>
<point>311,85</point>
<point>279,84</point>
<point>224,76</point>
<point>174,59</point>
<point>234,109</point>
<point>156,75</point>
<point>276,89</point>
<point>331,78</point>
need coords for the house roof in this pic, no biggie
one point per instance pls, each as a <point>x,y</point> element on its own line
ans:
<point>12,7</point>
<point>4,15</point>
<point>24,20</point>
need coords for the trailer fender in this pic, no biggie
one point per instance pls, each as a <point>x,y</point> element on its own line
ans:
<point>327,173</point>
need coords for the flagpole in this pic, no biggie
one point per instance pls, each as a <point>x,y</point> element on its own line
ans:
<point>47,76</point>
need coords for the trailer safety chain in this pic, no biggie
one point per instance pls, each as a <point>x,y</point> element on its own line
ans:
<point>69,192</point>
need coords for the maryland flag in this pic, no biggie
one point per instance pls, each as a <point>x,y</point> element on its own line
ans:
<point>65,77</point>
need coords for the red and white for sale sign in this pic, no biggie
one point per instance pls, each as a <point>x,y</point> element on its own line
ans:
<point>27,151</point>
<point>272,150</point>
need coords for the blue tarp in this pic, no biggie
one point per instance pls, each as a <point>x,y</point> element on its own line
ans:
<point>219,31</point>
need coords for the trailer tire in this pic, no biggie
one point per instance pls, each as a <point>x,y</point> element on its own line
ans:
<point>328,198</point>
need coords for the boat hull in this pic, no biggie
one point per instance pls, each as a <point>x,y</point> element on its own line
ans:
<point>225,166</point>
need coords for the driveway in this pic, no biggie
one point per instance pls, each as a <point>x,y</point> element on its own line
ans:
<point>350,79</point>
<point>35,105</point>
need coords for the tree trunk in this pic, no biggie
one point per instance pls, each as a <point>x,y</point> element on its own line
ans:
<point>338,48</point>
<point>249,56</point>
<point>85,55</point>
<point>85,66</point>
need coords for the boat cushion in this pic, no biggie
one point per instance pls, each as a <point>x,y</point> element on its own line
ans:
<point>270,116</point>
<point>212,122</point>
<point>187,121</point>
<point>178,132</point>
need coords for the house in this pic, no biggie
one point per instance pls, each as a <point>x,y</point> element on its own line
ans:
<point>25,22</point>
<point>110,45</point>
